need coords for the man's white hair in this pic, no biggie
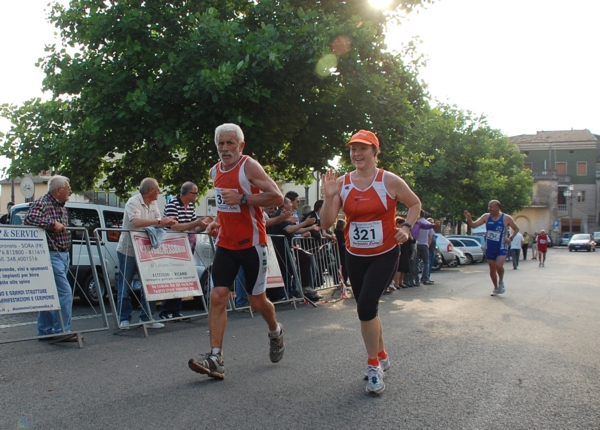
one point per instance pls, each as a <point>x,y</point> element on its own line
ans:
<point>229,128</point>
<point>56,182</point>
<point>148,184</point>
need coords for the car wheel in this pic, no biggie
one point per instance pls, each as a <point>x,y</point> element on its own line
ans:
<point>570,249</point>
<point>469,258</point>
<point>453,263</point>
<point>89,290</point>
<point>589,249</point>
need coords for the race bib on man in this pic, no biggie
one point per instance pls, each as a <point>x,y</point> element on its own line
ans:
<point>493,235</point>
<point>221,205</point>
<point>366,234</point>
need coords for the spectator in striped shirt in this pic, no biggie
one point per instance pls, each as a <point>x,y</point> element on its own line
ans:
<point>49,213</point>
<point>182,209</point>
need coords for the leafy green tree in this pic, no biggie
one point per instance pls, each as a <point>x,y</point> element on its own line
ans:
<point>468,164</point>
<point>139,86</point>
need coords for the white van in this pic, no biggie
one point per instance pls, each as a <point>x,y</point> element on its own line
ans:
<point>90,216</point>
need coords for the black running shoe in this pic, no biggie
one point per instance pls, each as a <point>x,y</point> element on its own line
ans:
<point>276,346</point>
<point>211,365</point>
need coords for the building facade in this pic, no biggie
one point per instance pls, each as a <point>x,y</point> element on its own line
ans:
<point>565,193</point>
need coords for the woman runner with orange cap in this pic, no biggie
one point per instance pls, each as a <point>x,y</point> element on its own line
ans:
<point>369,196</point>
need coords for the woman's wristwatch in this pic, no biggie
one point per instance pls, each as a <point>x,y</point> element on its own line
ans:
<point>406,224</point>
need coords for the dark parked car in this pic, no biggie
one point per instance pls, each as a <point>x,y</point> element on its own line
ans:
<point>438,261</point>
<point>582,241</point>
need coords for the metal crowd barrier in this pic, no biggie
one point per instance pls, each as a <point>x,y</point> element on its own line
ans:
<point>310,263</point>
<point>88,316</point>
<point>202,257</point>
<point>318,264</point>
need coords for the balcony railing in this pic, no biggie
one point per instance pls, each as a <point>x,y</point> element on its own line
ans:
<point>540,200</point>
<point>550,175</point>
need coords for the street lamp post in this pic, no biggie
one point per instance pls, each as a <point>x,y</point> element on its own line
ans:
<point>568,193</point>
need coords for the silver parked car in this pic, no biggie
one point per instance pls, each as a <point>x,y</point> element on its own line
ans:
<point>476,237</point>
<point>445,248</point>
<point>470,247</point>
<point>582,241</point>
<point>461,258</point>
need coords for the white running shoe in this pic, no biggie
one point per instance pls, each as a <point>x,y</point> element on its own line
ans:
<point>501,287</point>
<point>385,366</point>
<point>154,325</point>
<point>375,384</point>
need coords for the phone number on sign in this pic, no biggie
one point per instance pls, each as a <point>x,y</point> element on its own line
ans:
<point>26,258</point>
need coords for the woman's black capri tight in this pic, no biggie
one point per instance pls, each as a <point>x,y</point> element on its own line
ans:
<point>370,276</point>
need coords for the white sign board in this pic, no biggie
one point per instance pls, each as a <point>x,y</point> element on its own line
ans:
<point>167,272</point>
<point>26,277</point>
<point>274,278</point>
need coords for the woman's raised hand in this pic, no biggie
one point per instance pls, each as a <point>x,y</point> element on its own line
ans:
<point>329,184</point>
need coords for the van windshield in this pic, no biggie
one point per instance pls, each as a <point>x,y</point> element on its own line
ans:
<point>18,215</point>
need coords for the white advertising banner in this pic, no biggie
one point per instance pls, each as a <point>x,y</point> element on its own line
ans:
<point>26,277</point>
<point>274,278</point>
<point>168,271</point>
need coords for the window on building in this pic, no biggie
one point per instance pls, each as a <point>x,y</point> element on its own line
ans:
<point>561,168</point>
<point>561,200</point>
<point>581,168</point>
<point>580,196</point>
<point>529,166</point>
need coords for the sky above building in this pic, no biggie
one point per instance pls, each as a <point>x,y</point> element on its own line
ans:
<point>527,65</point>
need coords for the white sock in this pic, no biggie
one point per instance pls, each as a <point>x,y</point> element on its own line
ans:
<point>276,332</point>
<point>215,351</point>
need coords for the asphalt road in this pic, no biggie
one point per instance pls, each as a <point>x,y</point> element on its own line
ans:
<point>460,360</point>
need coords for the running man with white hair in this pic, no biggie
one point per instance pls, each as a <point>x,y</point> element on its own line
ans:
<point>242,190</point>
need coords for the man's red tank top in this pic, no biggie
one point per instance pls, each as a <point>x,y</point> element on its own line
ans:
<point>542,242</point>
<point>242,226</point>
<point>370,216</point>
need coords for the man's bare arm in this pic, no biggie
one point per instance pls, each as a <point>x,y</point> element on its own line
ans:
<point>480,221</point>
<point>269,196</point>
